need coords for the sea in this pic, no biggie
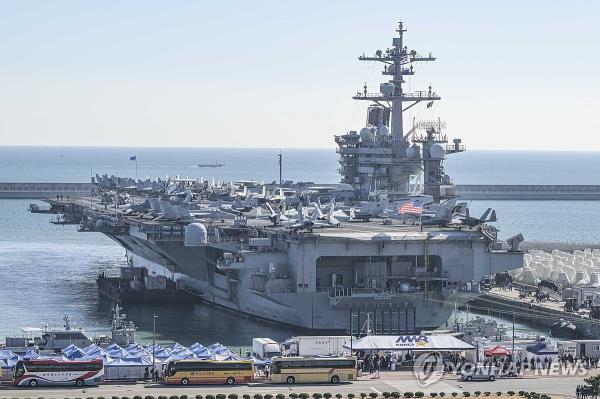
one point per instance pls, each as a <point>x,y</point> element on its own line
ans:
<point>49,271</point>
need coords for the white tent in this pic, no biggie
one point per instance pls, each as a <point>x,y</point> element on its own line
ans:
<point>424,343</point>
<point>126,368</point>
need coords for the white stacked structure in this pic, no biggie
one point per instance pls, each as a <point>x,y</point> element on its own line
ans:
<point>581,268</point>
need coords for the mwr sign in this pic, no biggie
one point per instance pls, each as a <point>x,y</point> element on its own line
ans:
<point>411,341</point>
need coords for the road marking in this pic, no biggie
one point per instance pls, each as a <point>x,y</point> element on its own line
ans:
<point>375,390</point>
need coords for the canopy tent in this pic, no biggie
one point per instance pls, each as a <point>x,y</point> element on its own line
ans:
<point>90,348</point>
<point>31,354</point>
<point>176,347</point>
<point>8,361</point>
<point>196,346</point>
<point>423,343</point>
<point>127,368</point>
<point>541,348</point>
<point>134,348</point>
<point>203,353</point>
<point>497,350</point>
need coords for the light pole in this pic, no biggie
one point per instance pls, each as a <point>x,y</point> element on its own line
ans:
<point>154,317</point>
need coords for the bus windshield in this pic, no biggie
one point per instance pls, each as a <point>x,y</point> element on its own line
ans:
<point>19,369</point>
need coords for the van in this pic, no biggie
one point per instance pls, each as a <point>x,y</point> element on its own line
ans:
<point>483,373</point>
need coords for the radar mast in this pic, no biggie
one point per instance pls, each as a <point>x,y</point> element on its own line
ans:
<point>380,158</point>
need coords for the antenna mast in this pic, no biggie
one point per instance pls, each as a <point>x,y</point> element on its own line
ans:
<point>380,157</point>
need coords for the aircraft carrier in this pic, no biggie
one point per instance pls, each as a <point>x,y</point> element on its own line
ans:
<point>392,237</point>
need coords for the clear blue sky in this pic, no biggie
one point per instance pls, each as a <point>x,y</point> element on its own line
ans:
<point>516,74</point>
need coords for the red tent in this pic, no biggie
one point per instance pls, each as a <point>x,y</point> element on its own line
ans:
<point>497,351</point>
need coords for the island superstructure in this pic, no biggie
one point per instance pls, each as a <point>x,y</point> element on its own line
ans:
<point>382,157</point>
<point>277,252</point>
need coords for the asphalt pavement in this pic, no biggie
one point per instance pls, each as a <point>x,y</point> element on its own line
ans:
<point>403,382</point>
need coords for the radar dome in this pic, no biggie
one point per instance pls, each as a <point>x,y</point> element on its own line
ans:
<point>436,151</point>
<point>366,135</point>
<point>195,235</point>
<point>414,151</point>
<point>384,131</point>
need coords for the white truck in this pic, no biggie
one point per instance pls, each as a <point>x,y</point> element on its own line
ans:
<point>316,345</point>
<point>265,348</point>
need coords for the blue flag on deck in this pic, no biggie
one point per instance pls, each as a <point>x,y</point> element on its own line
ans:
<point>133,158</point>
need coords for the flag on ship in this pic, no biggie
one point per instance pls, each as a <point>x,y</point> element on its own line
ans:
<point>133,158</point>
<point>412,207</point>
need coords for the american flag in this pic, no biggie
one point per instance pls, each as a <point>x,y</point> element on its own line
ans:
<point>414,207</point>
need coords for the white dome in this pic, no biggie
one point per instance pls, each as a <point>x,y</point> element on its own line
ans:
<point>366,134</point>
<point>384,131</point>
<point>414,151</point>
<point>195,235</point>
<point>436,151</point>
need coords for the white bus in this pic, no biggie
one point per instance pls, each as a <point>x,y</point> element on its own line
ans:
<point>58,372</point>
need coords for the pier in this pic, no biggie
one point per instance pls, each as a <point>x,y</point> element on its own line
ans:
<point>528,192</point>
<point>16,190</point>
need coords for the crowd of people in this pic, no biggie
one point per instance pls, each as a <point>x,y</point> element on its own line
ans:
<point>586,361</point>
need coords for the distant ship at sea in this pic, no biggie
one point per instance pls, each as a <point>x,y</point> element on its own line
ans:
<point>211,165</point>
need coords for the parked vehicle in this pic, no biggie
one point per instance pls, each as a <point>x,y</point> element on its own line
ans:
<point>316,345</point>
<point>481,373</point>
<point>265,348</point>
<point>230,372</point>
<point>58,372</point>
<point>291,370</point>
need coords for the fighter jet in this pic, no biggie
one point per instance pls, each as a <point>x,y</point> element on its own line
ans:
<point>465,220</point>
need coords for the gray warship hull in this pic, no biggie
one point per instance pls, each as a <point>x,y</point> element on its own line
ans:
<point>326,281</point>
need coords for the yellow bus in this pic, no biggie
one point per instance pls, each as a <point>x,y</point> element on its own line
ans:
<point>228,372</point>
<point>291,370</point>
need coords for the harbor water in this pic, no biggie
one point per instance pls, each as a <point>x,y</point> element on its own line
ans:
<point>49,271</point>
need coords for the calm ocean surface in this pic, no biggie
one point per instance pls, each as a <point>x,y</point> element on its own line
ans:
<point>48,271</point>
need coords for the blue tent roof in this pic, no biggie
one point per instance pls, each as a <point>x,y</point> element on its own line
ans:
<point>31,354</point>
<point>8,354</point>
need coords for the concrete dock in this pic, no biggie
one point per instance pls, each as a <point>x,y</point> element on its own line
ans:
<point>542,314</point>
<point>16,190</point>
<point>528,192</point>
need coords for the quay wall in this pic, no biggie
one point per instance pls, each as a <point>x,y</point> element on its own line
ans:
<point>42,190</point>
<point>528,191</point>
<point>537,314</point>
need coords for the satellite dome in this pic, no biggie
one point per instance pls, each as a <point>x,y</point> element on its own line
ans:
<point>366,134</point>
<point>195,235</point>
<point>436,151</point>
<point>384,131</point>
<point>414,151</point>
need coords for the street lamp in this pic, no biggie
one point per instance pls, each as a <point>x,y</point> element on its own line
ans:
<point>154,317</point>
